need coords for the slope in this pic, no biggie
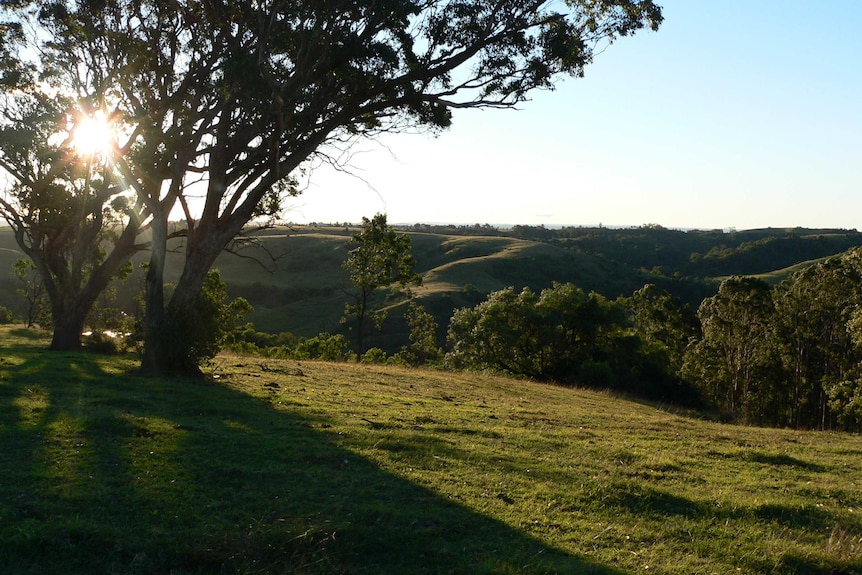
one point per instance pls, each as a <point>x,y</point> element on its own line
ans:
<point>315,468</point>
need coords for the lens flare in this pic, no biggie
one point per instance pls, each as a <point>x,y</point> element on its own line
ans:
<point>93,136</point>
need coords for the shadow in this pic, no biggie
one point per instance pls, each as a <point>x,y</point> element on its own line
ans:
<point>648,502</point>
<point>102,473</point>
<point>796,517</point>
<point>29,338</point>
<point>783,460</point>
<point>657,505</point>
<point>792,564</point>
<point>653,503</point>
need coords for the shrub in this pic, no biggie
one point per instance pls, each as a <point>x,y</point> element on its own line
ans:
<point>323,346</point>
<point>102,343</point>
<point>374,355</point>
<point>196,334</point>
<point>6,315</point>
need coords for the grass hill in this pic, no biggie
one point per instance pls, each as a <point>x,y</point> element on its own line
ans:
<point>294,280</point>
<point>304,290</point>
<point>316,468</point>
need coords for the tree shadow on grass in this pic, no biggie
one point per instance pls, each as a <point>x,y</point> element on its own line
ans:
<point>107,474</point>
<point>784,460</point>
<point>659,505</point>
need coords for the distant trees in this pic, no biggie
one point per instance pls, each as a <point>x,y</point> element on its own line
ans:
<point>562,335</point>
<point>381,257</point>
<point>788,355</point>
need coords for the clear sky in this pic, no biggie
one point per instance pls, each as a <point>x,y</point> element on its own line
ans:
<point>738,113</point>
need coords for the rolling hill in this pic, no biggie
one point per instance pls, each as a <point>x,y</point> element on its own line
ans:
<point>293,276</point>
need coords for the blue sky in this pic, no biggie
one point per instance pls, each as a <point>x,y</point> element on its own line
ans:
<point>736,113</point>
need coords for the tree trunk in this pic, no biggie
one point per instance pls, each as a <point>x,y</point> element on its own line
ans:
<point>153,360</point>
<point>70,306</point>
<point>67,334</point>
<point>68,315</point>
<point>201,253</point>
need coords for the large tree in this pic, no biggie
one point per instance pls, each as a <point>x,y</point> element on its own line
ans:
<point>734,362</point>
<point>78,213</point>
<point>245,93</point>
<point>69,213</point>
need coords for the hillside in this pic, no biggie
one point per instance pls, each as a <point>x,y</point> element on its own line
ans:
<point>304,289</point>
<point>456,271</point>
<point>294,279</point>
<point>315,468</point>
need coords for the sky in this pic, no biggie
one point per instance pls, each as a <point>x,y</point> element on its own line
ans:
<point>735,114</point>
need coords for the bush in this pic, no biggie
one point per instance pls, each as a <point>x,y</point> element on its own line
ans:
<point>374,355</point>
<point>6,315</point>
<point>263,339</point>
<point>324,346</point>
<point>196,334</point>
<point>845,400</point>
<point>101,343</point>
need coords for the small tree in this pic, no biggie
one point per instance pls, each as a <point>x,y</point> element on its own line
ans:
<point>381,258</point>
<point>423,336</point>
<point>194,335</point>
<point>6,315</point>
<point>32,290</point>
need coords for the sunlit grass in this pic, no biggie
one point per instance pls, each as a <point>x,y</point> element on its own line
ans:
<point>287,467</point>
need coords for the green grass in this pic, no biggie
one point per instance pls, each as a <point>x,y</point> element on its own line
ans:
<point>287,467</point>
<point>778,276</point>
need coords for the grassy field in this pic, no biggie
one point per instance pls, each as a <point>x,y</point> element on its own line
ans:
<point>303,467</point>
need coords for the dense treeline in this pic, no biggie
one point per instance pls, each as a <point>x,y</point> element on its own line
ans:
<point>568,336</point>
<point>699,253</point>
<point>787,355</point>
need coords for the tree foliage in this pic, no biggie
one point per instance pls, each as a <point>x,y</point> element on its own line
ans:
<point>784,356</point>
<point>563,335</point>
<point>381,257</point>
<point>664,322</point>
<point>423,336</point>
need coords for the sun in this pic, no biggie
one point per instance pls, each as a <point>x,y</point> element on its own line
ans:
<point>94,136</point>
